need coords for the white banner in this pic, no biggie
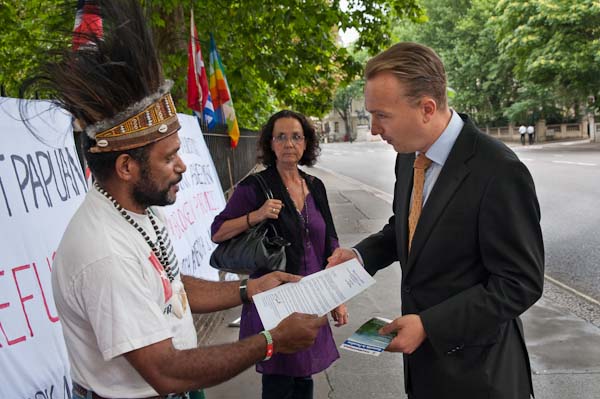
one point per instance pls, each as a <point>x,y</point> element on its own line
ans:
<point>41,185</point>
<point>199,200</point>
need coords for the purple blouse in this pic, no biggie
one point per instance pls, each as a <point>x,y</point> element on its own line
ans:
<point>324,351</point>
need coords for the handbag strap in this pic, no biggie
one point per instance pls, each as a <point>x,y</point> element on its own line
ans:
<point>263,185</point>
<point>269,194</point>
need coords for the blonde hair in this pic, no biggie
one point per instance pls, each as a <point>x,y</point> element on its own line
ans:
<point>418,67</point>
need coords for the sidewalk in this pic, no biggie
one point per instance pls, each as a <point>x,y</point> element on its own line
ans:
<point>563,348</point>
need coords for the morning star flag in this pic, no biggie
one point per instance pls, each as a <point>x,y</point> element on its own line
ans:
<point>199,99</point>
<point>219,90</point>
<point>88,22</point>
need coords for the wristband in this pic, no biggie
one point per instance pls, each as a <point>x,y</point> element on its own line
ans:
<point>248,220</point>
<point>244,291</point>
<point>269,339</point>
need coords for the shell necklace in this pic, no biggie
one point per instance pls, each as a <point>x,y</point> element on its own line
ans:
<point>160,250</point>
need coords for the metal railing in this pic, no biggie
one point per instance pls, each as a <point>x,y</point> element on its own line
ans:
<point>232,164</point>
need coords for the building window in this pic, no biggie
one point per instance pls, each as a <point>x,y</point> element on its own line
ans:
<point>336,127</point>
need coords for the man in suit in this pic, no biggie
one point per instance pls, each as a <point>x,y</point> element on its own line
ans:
<point>467,236</point>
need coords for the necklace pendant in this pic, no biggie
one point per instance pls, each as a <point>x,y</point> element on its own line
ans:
<point>178,301</point>
<point>184,300</point>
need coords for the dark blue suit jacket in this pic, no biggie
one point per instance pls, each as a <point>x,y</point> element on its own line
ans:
<point>476,264</point>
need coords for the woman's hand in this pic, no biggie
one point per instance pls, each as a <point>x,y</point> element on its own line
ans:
<point>340,315</point>
<point>270,210</point>
<point>232,227</point>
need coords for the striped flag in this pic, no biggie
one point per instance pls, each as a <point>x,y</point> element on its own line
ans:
<point>199,98</point>
<point>88,23</point>
<point>88,26</point>
<point>221,96</point>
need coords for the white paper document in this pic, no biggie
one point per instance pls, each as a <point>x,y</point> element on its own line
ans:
<point>317,294</point>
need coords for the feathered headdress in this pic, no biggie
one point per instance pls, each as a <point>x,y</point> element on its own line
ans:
<point>114,85</point>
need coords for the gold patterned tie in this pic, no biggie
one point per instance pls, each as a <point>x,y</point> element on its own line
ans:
<point>420,166</point>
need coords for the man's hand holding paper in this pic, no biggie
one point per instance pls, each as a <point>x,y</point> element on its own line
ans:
<point>410,333</point>
<point>295,332</point>
<point>270,281</point>
<point>340,255</point>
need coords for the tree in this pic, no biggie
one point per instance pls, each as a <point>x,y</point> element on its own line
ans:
<point>535,102</point>
<point>515,60</point>
<point>28,29</point>
<point>480,73</point>
<point>555,47</point>
<point>342,103</point>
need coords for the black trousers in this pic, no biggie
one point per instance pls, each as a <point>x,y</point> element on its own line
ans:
<point>285,387</point>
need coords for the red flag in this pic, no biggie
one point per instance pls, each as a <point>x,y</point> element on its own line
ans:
<point>88,23</point>
<point>197,81</point>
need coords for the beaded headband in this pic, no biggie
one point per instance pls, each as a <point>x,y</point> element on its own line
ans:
<point>156,120</point>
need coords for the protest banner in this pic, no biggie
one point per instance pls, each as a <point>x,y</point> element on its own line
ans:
<point>41,186</point>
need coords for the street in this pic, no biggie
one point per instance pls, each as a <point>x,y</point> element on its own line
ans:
<point>567,179</point>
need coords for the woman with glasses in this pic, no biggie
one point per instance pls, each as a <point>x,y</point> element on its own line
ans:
<point>300,212</point>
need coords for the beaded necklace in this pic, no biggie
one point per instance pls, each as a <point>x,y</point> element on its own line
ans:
<point>303,220</point>
<point>159,250</point>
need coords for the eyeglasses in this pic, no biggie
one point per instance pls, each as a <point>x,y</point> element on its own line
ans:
<point>282,138</point>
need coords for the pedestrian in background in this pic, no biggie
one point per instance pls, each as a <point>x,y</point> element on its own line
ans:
<point>522,132</point>
<point>300,212</point>
<point>472,256</point>
<point>531,134</point>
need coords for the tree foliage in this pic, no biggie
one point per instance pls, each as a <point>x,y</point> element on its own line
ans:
<point>515,60</point>
<point>556,47</point>
<point>276,53</point>
<point>28,29</point>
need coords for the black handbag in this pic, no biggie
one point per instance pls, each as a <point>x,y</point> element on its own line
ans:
<point>258,248</point>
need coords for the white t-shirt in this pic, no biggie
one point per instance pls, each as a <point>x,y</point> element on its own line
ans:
<point>522,129</point>
<point>112,298</point>
<point>530,130</point>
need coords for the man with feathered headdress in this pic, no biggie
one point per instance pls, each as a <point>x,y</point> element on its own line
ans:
<point>125,308</point>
